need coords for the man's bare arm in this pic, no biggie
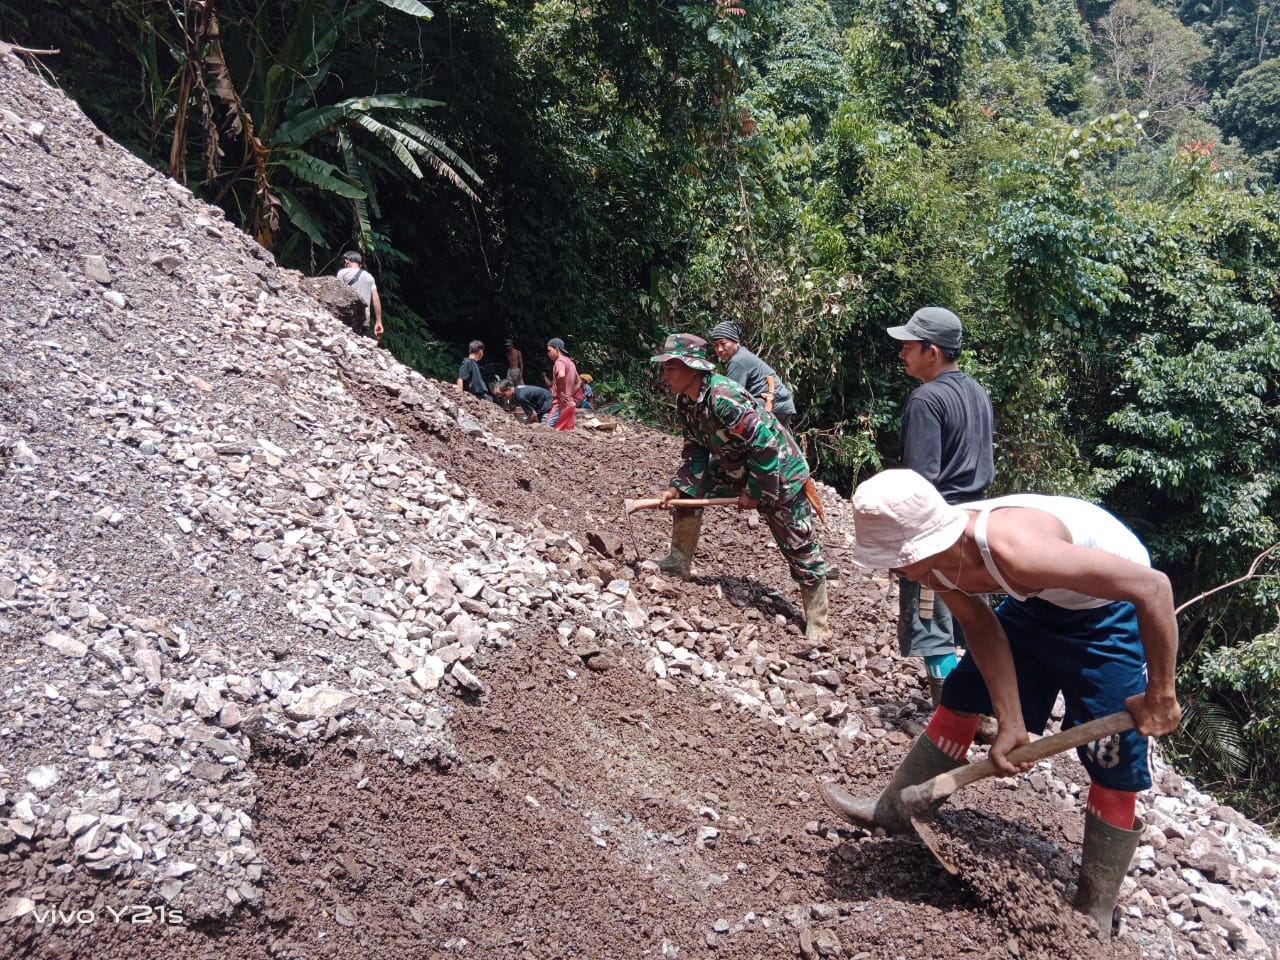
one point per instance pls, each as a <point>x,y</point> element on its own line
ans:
<point>376,302</point>
<point>989,647</point>
<point>1033,557</point>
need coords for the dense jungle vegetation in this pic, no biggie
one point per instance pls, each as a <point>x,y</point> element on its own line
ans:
<point>1089,185</point>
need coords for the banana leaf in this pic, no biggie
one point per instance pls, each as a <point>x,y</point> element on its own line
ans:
<point>308,123</point>
<point>301,217</point>
<point>440,147</point>
<point>319,172</point>
<point>411,7</point>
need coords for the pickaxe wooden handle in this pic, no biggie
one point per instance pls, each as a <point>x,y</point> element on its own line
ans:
<point>921,797</point>
<point>918,800</point>
<point>654,503</point>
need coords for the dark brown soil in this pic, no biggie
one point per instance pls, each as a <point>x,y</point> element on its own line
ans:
<point>599,814</point>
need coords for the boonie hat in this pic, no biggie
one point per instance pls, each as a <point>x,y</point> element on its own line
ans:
<point>727,330</point>
<point>935,324</point>
<point>353,257</point>
<point>899,517</point>
<point>688,349</point>
<point>556,342</point>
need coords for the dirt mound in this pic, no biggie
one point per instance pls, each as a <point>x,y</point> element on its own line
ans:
<point>310,657</point>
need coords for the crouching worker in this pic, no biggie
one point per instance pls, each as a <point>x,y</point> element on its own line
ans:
<point>534,401</point>
<point>1084,614</point>
<point>732,446</point>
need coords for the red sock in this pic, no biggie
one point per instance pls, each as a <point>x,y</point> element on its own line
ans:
<point>951,733</point>
<point>1115,807</point>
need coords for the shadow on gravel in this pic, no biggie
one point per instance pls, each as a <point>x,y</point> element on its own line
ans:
<point>743,592</point>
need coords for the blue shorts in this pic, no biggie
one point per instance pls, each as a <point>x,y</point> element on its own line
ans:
<point>1093,657</point>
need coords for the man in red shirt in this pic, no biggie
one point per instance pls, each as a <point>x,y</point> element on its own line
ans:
<point>564,386</point>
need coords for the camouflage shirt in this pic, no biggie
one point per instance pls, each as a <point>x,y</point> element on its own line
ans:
<point>725,422</point>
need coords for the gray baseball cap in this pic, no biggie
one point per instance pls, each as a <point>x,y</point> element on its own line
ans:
<point>935,324</point>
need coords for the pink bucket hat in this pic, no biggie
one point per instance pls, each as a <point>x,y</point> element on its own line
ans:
<point>899,518</point>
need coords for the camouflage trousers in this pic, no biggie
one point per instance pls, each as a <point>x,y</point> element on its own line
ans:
<point>793,523</point>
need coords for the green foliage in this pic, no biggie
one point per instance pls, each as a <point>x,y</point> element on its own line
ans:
<point>1250,111</point>
<point>804,74</point>
<point>918,53</point>
<point>1047,44</point>
<point>1056,246</point>
<point>273,81</point>
<point>1239,36</point>
<point>243,101</point>
<point>1196,432</point>
<point>1201,431</point>
<point>1147,59</point>
<point>1058,237</point>
<point>1231,731</point>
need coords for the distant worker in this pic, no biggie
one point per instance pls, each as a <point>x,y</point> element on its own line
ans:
<point>515,363</point>
<point>745,368</point>
<point>534,401</point>
<point>586,395</point>
<point>947,439</point>
<point>470,377</point>
<point>564,386</point>
<point>355,276</point>
<point>732,446</point>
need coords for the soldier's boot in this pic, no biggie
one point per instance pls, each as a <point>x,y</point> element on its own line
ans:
<point>817,625</point>
<point>1108,851</point>
<point>924,762</point>
<point>686,526</point>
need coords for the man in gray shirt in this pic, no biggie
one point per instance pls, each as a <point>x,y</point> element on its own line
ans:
<point>535,401</point>
<point>946,438</point>
<point>753,374</point>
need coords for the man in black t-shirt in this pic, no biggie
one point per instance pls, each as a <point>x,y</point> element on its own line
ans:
<point>947,439</point>
<point>470,378</point>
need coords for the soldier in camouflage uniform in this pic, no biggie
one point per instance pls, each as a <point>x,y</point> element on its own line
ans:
<point>733,446</point>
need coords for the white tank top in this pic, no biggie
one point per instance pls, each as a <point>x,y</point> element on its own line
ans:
<point>1089,526</point>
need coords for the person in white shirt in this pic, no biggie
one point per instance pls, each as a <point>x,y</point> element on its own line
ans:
<point>1084,615</point>
<point>355,276</point>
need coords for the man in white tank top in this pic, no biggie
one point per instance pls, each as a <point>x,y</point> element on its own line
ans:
<point>1084,615</point>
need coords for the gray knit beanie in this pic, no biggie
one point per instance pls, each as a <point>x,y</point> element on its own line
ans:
<point>727,330</point>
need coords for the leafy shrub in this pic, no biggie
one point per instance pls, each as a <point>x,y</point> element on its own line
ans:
<point>1230,736</point>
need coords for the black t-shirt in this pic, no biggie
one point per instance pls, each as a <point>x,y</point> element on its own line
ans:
<point>534,400</point>
<point>946,436</point>
<point>471,377</point>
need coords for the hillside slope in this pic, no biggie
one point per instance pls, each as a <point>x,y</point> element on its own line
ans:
<point>308,656</point>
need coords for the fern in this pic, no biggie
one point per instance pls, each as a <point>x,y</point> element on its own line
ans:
<point>1217,737</point>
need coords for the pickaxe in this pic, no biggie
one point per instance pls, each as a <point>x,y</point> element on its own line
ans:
<point>656,503</point>
<point>924,797</point>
